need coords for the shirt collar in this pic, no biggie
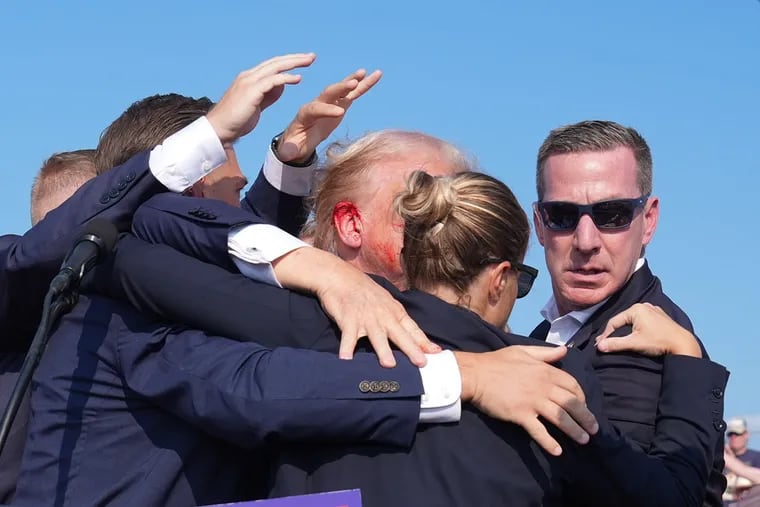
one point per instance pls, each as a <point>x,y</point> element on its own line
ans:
<point>550,311</point>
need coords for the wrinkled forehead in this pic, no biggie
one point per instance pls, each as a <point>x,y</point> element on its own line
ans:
<point>592,176</point>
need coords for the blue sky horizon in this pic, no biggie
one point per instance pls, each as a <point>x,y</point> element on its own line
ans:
<point>492,77</point>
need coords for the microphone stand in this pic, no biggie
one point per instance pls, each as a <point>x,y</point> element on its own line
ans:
<point>54,306</point>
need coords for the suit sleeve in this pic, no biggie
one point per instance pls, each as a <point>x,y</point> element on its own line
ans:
<point>612,470</point>
<point>196,227</point>
<point>248,394</point>
<point>716,482</point>
<point>28,262</point>
<point>277,196</point>
<point>288,212</point>
<point>167,284</point>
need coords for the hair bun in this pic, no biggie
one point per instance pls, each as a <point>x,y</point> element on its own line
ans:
<point>427,202</point>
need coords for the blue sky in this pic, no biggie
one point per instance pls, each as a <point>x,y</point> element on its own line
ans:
<point>491,76</point>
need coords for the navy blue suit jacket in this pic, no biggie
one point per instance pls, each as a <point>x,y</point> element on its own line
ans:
<point>29,262</point>
<point>631,383</point>
<point>128,410</point>
<point>288,212</point>
<point>684,452</point>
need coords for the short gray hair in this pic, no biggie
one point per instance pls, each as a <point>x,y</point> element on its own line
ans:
<point>596,135</point>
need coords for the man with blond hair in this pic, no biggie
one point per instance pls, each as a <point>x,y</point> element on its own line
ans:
<point>351,213</point>
<point>59,177</point>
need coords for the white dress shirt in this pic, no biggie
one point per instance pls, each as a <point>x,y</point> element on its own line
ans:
<point>564,327</point>
<point>187,156</point>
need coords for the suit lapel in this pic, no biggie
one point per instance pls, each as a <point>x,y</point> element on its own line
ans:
<point>632,292</point>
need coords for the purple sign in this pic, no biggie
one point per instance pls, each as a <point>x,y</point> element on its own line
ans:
<point>348,498</point>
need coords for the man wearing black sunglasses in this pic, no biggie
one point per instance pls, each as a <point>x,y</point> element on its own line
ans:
<point>594,216</point>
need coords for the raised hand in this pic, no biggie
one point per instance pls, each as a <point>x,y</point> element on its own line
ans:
<point>654,333</point>
<point>518,384</point>
<point>252,91</point>
<point>316,120</point>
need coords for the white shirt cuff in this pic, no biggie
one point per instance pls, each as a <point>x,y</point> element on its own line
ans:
<point>442,383</point>
<point>254,247</point>
<point>187,156</point>
<point>287,178</point>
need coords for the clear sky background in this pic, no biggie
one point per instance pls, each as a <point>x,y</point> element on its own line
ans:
<point>491,76</point>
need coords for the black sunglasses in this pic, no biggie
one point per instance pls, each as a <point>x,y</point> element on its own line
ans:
<point>607,215</point>
<point>526,275</point>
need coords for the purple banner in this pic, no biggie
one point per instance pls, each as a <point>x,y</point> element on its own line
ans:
<point>348,498</point>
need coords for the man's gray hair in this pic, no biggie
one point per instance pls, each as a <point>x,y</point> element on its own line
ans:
<point>596,135</point>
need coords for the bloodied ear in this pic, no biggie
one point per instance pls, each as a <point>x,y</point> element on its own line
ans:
<point>348,223</point>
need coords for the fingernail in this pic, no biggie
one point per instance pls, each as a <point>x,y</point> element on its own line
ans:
<point>584,438</point>
<point>557,451</point>
<point>594,428</point>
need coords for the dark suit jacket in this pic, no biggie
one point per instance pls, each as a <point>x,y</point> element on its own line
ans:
<point>675,470</point>
<point>481,461</point>
<point>132,411</point>
<point>288,212</point>
<point>29,262</point>
<point>631,383</point>
<point>10,459</point>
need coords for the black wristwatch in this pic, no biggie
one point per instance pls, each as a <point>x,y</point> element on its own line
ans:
<point>312,159</point>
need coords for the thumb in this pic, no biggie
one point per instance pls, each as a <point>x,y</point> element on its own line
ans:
<point>545,354</point>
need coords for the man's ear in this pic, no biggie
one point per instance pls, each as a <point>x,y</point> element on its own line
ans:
<point>538,226</point>
<point>651,217</point>
<point>348,223</point>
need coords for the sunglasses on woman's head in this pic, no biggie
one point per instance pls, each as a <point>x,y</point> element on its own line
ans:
<point>607,215</point>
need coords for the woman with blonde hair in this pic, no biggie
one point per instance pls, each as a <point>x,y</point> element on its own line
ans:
<point>465,239</point>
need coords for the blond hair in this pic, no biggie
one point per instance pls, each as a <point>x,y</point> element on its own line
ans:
<point>347,165</point>
<point>59,177</point>
<point>454,225</point>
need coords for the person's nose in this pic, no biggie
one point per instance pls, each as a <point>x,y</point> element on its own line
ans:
<point>587,238</point>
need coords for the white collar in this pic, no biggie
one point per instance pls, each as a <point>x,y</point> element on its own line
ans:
<point>550,311</point>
